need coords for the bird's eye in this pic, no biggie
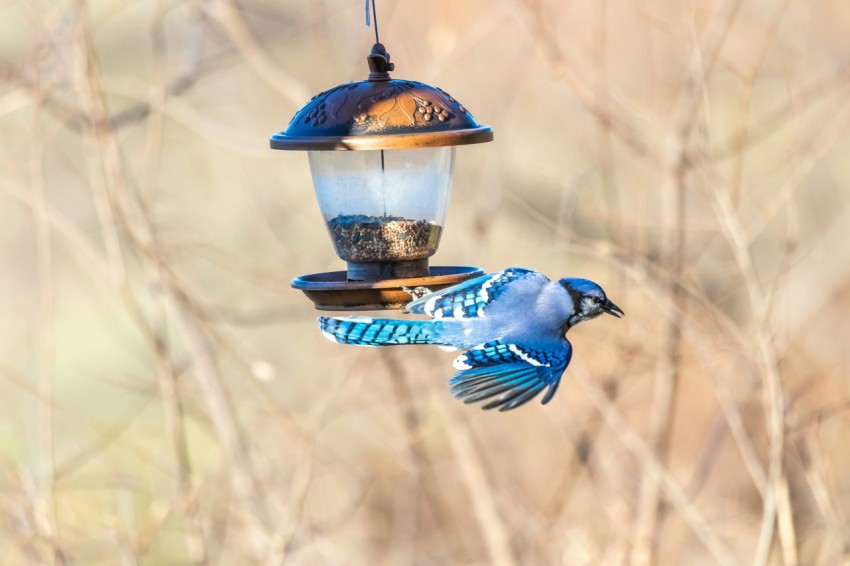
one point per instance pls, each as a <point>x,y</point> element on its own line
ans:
<point>597,300</point>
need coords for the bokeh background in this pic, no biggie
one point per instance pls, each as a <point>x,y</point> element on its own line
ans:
<point>165,397</point>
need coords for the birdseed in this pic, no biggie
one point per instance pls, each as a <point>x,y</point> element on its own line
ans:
<point>361,238</point>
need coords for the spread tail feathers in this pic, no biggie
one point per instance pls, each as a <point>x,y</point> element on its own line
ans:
<point>365,331</point>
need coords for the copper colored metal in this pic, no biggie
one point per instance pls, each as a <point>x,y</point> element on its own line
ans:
<point>381,113</point>
<point>332,291</point>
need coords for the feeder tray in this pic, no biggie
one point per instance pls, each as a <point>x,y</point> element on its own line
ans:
<point>333,292</point>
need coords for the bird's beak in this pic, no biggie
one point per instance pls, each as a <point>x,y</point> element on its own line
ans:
<point>612,309</point>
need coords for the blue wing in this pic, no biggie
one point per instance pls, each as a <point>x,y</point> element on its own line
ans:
<point>512,373</point>
<point>470,298</point>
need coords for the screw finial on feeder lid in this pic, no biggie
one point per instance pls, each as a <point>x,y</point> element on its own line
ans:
<point>379,63</point>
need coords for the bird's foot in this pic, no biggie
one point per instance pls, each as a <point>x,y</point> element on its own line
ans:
<point>417,292</point>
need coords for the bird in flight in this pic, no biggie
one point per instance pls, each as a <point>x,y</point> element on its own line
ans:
<point>512,325</point>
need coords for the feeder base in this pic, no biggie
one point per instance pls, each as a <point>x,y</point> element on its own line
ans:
<point>332,291</point>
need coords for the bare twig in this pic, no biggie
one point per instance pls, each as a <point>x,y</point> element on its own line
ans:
<point>776,501</point>
<point>476,481</point>
<point>405,523</point>
<point>228,14</point>
<point>650,463</point>
<point>175,429</point>
<point>124,202</point>
<point>655,281</point>
<point>585,90</point>
<point>678,165</point>
<point>45,506</point>
<point>778,118</point>
<point>157,333</point>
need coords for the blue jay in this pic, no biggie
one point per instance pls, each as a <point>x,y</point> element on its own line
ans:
<point>511,323</point>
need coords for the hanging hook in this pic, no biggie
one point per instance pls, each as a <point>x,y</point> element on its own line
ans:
<point>374,17</point>
<point>379,60</point>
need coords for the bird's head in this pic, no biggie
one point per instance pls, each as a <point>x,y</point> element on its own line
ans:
<point>589,300</point>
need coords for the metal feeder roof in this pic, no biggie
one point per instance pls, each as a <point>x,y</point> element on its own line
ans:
<point>381,113</point>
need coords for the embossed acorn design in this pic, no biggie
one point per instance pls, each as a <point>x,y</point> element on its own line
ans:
<point>317,115</point>
<point>429,111</point>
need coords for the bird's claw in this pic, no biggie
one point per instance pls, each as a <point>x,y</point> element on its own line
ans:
<point>417,292</point>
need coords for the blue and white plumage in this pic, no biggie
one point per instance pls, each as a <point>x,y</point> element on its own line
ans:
<point>511,323</point>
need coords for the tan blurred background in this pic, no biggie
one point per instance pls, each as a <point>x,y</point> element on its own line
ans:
<point>165,397</point>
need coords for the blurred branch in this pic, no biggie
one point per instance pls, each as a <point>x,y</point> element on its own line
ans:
<point>428,476</point>
<point>644,454</point>
<point>191,65</point>
<point>743,134</point>
<point>586,91</point>
<point>654,280</point>
<point>71,236</point>
<point>125,204</point>
<point>677,165</point>
<point>157,327</point>
<point>45,510</point>
<point>734,420</point>
<point>174,426</point>
<point>478,485</point>
<point>822,414</point>
<point>182,112</point>
<point>781,116</point>
<point>813,463</point>
<point>405,512</point>
<point>776,503</point>
<point>583,451</point>
<point>606,164</point>
<point>283,540</point>
<point>228,14</point>
<point>106,433</point>
<point>69,115</point>
<point>793,168</point>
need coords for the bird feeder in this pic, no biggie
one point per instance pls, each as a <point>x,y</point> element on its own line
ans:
<point>381,155</point>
